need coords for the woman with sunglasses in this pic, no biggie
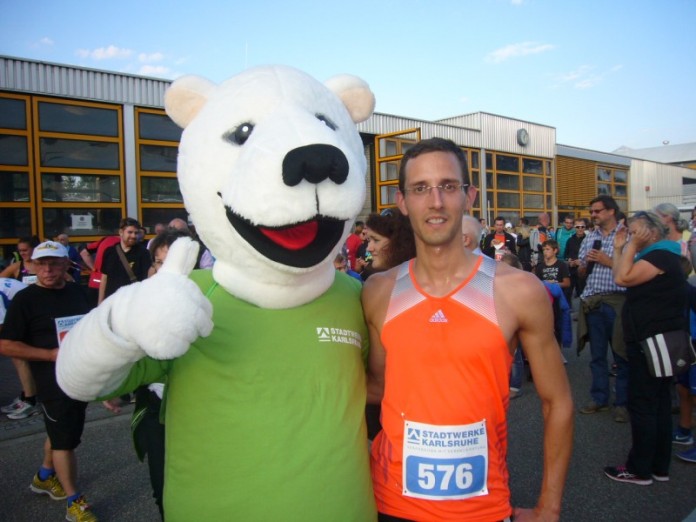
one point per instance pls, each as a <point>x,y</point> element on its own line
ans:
<point>649,265</point>
<point>572,253</point>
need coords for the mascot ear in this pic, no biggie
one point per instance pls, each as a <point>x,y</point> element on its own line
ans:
<point>185,97</point>
<point>355,95</point>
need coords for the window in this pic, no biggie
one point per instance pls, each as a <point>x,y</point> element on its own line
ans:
<point>157,141</point>
<point>79,188</point>
<point>56,152</point>
<point>77,119</point>
<point>13,114</point>
<point>13,150</point>
<point>613,182</point>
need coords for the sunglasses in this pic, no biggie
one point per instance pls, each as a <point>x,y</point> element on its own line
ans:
<point>580,226</point>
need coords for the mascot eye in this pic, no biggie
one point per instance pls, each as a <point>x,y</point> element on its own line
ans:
<point>331,125</point>
<point>239,135</point>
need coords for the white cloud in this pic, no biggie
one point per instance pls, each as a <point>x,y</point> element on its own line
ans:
<point>151,57</point>
<point>154,70</point>
<point>518,49</point>
<point>584,77</point>
<point>105,53</point>
<point>46,41</point>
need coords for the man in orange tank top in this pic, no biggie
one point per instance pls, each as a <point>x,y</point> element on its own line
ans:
<point>443,330</point>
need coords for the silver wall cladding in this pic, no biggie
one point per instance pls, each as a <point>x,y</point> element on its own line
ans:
<point>380,123</point>
<point>78,82</point>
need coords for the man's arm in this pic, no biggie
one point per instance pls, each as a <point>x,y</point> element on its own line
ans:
<point>102,288</point>
<point>532,308</point>
<point>20,350</point>
<point>375,299</point>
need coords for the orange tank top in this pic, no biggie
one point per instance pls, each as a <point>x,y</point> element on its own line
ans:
<point>441,453</point>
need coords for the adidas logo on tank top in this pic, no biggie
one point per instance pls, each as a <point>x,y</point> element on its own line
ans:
<point>438,317</point>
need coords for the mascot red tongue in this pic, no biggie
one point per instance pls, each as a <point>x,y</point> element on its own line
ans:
<point>282,433</point>
<point>293,238</point>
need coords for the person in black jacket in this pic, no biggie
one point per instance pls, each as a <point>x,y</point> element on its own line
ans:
<point>499,237</point>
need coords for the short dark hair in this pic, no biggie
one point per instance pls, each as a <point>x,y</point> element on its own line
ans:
<point>433,145</point>
<point>524,221</point>
<point>499,219</point>
<point>550,242</point>
<point>608,202</point>
<point>128,222</point>
<point>166,238</point>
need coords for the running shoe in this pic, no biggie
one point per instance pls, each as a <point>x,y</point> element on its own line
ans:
<point>593,407</point>
<point>621,414</point>
<point>79,511</point>
<point>660,478</point>
<point>51,487</point>
<point>688,455</point>
<point>680,438</point>
<point>10,408</point>
<point>621,474</point>
<point>24,411</point>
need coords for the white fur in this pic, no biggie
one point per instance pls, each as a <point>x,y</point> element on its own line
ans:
<point>159,317</point>
<point>164,314</point>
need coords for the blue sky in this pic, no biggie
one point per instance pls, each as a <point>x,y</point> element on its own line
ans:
<point>604,73</point>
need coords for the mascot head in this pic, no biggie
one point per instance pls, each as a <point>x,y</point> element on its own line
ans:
<point>272,170</point>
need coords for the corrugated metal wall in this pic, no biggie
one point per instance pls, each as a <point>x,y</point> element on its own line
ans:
<point>75,82</point>
<point>385,123</point>
<point>664,182</point>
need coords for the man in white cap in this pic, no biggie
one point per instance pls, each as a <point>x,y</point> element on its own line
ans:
<point>37,320</point>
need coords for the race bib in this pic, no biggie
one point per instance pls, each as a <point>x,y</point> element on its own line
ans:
<point>29,279</point>
<point>64,325</point>
<point>445,462</point>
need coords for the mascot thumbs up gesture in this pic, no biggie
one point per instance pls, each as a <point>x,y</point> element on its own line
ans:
<point>264,355</point>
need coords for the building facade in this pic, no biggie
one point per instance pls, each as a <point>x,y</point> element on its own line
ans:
<point>82,148</point>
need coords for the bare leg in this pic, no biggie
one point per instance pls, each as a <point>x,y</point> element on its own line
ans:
<point>26,379</point>
<point>685,406</point>
<point>66,469</point>
<point>48,455</point>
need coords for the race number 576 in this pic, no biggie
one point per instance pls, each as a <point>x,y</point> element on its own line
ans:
<point>445,478</point>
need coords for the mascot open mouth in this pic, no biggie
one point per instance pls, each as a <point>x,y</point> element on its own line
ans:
<point>300,245</point>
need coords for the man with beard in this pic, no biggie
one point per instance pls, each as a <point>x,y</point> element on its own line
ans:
<point>125,262</point>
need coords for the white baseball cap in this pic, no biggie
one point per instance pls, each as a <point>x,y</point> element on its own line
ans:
<point>49,249</point>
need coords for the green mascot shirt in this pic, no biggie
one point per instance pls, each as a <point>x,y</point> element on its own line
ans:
<point>265,417</point>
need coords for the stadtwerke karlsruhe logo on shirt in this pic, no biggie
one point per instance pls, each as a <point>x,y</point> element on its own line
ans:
<point>339,335</point>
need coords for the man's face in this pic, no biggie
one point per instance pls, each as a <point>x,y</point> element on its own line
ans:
<point>129,236</point>
<point>499,226</point>
<point>544,220</point>
<point>63,239</point>
<point>363,234</point>
<point>601,216</point>
<point>50,271</point>
<point>436,216</point>
<point>580,228</point>
<point>568,223</point>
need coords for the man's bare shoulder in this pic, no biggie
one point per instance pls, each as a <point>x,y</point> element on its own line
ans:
<point>379,283</point>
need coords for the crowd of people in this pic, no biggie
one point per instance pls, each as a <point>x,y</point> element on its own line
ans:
<point>43,297</point>
<point>432,277</point>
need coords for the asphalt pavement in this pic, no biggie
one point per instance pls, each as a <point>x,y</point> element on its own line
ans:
<point>117,484</point>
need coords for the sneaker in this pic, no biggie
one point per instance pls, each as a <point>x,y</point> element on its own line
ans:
<point>593,407</point>
<point>679,438</point>
<point>10,408</point>
<point>51,487</point>
<point>79,511</point>
<point>621,474</point>
<point>688,455</point>
<point>23,411</point>
<point>660,478</point>
<point>515,393</point>
<point>620,414</point>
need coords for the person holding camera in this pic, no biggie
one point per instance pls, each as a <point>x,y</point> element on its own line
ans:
<point>599,321</point>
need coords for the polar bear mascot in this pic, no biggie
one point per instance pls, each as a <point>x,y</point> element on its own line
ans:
<point>264,355</point>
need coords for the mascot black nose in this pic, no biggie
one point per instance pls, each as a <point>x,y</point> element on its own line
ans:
<point>315,163</point>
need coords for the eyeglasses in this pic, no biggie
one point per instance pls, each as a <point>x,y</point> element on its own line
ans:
<point>445,188</point>
<point>596,210</point>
